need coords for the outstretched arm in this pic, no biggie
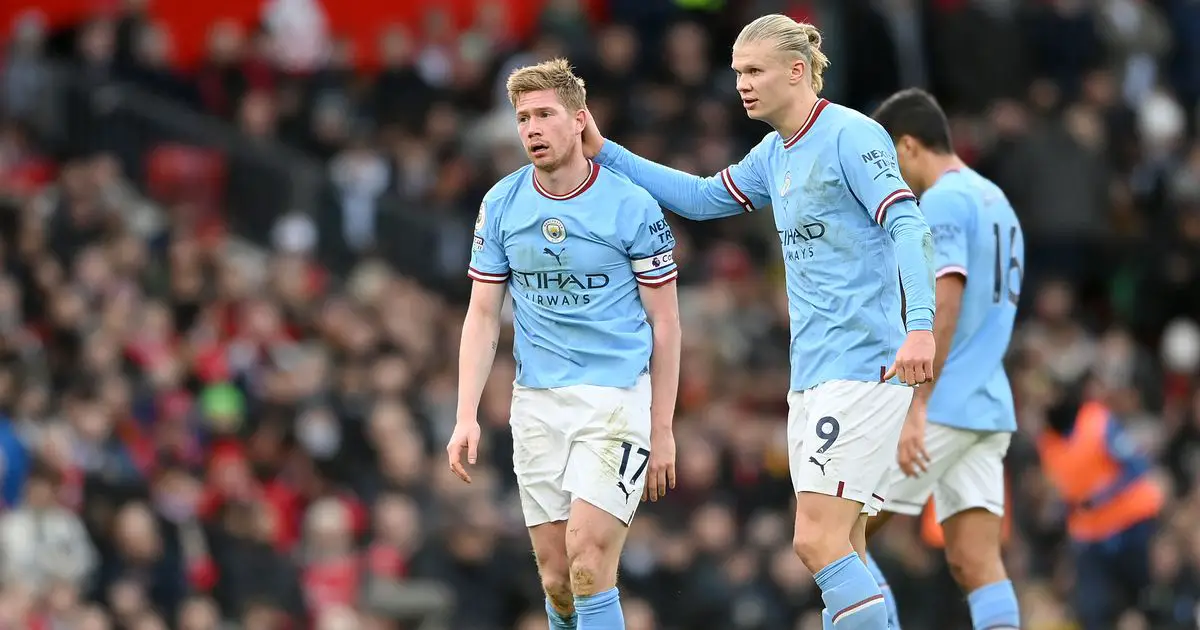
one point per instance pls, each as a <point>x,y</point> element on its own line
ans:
<point>697,198</point>
<point>736,189</point>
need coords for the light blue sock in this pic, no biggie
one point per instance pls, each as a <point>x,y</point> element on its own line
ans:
<point>826,620</point>
<point>994,607</point>
<point>558,622</point>
<point>601,611</point>
<point>889,601</point>
<point>851,595</point>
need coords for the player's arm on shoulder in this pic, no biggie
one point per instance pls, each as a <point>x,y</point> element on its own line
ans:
<point>651,249</point>
<point>868,160</point>
<point>947,213</point>
<point>736,189</point>
<point>481,328</point>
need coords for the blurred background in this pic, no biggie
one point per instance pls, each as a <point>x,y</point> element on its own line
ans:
<point>235,236</point>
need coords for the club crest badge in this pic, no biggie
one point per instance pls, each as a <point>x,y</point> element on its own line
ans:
<point>480,219</point>
<point>554,231</point>
<point>787,184</point>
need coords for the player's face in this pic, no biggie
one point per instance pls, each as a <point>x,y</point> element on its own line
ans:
<point>765,78</point>
<point>548,131</point>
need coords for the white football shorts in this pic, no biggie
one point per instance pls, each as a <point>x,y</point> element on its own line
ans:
<point>580,442</point>
<point>842,438</point>
<point>966,471</point>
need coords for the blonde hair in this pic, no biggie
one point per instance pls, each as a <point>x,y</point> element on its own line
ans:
<point>556,75</point>
<point>790,37</point>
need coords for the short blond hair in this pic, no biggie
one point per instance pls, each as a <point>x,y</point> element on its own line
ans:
<point>556,75</point>
<point>790,37</point>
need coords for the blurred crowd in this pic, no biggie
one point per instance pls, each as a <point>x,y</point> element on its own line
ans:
<point>226,405</point>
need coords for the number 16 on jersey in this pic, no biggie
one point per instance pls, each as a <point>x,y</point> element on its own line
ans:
<point>1008,272</point>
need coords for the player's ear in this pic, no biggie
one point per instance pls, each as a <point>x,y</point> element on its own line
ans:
<point>798,71</point>
<point>580,120</point>
<point>915,148</point>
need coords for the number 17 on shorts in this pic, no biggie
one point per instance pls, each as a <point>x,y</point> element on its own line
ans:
<point>628,476</point>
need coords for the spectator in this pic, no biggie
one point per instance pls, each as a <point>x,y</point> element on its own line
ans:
<point>25,72</point>
<point>299,32</point>
<point>45,546</point>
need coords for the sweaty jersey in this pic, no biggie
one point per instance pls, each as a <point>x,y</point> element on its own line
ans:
<point>573,264</point>
<point>848,226</point>
<point>976,234</point>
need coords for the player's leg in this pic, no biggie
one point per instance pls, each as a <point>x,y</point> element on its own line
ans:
<point>852,598</point>
<point>550,550</point>
<point>909,495</point>
<point>605,474</point>
<point>970,503</point>
<point>889,600</point>
<point>875,523</point>
<point>594,542</point>
<point>539,460</point>
<point>872,526</point>
<point>859,538</point>
<point>842,438</point>
<point>973,552</point>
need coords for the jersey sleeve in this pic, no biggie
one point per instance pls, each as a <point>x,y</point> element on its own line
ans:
<point>650,244</point>
<point>746,181</point>
<point>946,212</point>
<point>488,260</point>
<point>736,189</point>
<point>868,160</point>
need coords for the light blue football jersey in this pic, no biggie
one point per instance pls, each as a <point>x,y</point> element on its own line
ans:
<point>573,264</point>
<point>850,229</point>
<point>976,234</point>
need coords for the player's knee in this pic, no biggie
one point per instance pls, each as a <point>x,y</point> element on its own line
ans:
<point>592,568</point>
<point>973,548</point>
<point>974,566</point>
<point>554,570</point>
<point>816,548</point>
<point>822,535</point>
<point>557,587</point>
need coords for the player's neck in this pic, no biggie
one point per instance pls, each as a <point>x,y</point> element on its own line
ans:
<point>794,117</point>
<point>566,178</point>
<point>940,164</point>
